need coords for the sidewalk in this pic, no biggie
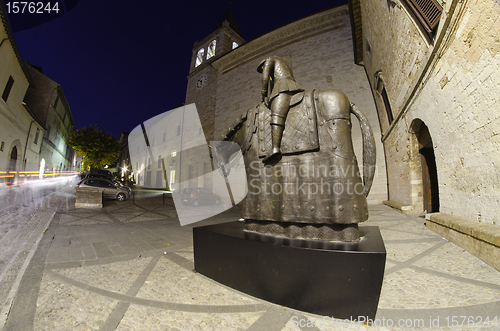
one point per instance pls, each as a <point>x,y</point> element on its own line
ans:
<point>129,267</point>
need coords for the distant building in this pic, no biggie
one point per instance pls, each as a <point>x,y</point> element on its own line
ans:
<point>161,156</point>
<point>48,102</point>
<point>123,166</point>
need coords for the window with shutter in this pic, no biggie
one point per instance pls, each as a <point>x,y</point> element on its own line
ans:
<point>428,12</point>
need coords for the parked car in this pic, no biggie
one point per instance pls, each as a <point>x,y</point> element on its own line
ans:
<point>112,190</point>
<point>199,195</point>
<point>83,174</point>
<point>105,176</point>
<point>104,172</point>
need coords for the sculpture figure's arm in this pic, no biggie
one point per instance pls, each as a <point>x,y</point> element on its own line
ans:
<point>266,74</point>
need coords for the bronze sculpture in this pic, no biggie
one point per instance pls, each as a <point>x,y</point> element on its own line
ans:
<point>302,209</point>
<point>312,188</point>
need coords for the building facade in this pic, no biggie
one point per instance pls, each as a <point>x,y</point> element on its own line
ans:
<point>21,131</point>
<point>48,102</point>
<point>35,118</point>
<point>435,76</point>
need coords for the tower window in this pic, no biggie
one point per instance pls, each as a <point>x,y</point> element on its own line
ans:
<point>7,89</point>
<point>235,44</point>
<point>199,57</point>
<point>211,49</point>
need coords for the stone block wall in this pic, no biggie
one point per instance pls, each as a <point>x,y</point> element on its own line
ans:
<point>452,86</point>
<point>462,93</point>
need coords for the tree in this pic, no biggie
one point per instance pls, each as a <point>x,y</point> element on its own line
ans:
<point>97,148</point>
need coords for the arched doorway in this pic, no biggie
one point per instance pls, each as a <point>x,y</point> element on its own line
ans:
<point>13,159</point>
<point>428,169</point>
<point>12,166</point>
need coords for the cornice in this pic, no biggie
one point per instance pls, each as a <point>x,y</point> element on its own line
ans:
<point>304,28</point>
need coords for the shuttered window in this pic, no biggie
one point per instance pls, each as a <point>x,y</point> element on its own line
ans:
<point>7,89</point>
<point>428,12</point>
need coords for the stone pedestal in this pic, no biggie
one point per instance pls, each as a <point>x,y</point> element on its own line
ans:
<point>341,280</point>
<point>88,197</point>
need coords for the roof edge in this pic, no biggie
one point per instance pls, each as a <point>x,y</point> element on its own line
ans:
<point>8,30</point>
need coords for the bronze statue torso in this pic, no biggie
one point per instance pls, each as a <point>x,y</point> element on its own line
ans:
<point>277,72</point>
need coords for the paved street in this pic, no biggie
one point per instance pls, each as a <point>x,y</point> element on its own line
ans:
<point>29,194</point>
<point>130,267</point>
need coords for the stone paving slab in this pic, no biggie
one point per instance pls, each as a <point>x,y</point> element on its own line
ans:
<point>103,271</point>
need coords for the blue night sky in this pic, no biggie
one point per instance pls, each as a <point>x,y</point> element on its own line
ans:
<point>123,62</point>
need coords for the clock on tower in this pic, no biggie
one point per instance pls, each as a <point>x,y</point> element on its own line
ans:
<point>201,81</point>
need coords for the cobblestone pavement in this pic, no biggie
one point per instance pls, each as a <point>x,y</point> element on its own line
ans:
<point>130,267</point>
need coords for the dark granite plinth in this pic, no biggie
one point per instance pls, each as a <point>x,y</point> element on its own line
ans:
<point>339,280</point>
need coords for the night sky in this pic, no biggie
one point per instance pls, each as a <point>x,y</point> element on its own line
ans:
<point>123,62</point>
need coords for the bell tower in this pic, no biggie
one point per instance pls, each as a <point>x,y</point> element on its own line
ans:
<point>202,78</point>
